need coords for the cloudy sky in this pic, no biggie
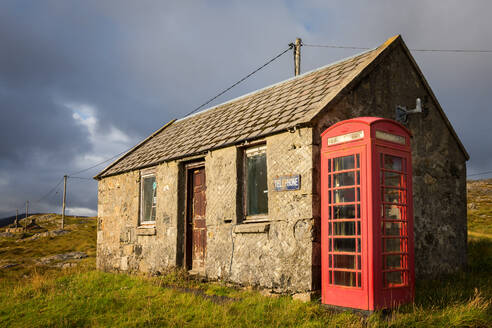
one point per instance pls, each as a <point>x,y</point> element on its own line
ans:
<point>81,81</point>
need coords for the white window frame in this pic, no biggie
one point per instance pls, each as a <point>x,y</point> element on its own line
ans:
<point>143,176</point>
<point>247,152</point>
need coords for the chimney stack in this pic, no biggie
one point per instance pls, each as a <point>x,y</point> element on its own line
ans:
<point>297,57</point>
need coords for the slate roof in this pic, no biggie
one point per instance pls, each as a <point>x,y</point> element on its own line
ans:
<point>264,112</point>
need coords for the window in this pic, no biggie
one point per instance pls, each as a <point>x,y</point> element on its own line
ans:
<point>255,182</point>
<point>148,198</point>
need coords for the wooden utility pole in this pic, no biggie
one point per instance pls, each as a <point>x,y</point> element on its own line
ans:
<point>27,213</point>
<point>64,199</point>
<point>297,57</point>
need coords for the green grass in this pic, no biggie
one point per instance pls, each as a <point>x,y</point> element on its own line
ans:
<point>40,296</point>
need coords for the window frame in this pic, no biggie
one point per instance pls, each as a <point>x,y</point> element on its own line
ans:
<point>246,218</point>
<point>143,175</point>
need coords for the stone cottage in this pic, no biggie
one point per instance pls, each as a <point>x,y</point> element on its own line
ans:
<point>233,192</point>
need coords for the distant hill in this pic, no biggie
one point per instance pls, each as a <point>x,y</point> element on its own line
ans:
<point>9,220</point>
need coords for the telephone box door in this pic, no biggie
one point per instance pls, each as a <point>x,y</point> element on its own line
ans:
<point>344,228</point>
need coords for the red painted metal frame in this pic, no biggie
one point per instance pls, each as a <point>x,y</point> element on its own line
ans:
<point>372,294</point>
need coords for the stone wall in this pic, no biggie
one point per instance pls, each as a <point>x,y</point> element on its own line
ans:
<point>275,254</point>
<point>121,243</point>
<point>439,168</point>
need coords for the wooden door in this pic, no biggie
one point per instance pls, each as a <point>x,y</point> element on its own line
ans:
<point>197,228</point>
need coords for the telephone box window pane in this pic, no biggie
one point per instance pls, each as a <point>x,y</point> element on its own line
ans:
<point>344,212</point>
<point>358,160</point>
<point>344,228</point>
<point>392,228</point>
<point>393,163</point>
<point>257,187</point>
<point>359,283</point>
<point>344,245</point>
<point>343,179</point>
<point>392,212</point>
<point>343,163</point>
<point>344,195</point>
<point>149,198</point>
<point>393,195</point>
<point>393,261</point>
<point>344,278</point>
<point>393,179</point>
<point>344,261</point>
<point>358,263</point>
<point>393,278</point>
<point>392,245</point>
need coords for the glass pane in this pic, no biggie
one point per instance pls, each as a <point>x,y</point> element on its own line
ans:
<point>343,163</point>
<point>358,177</point>
<point>149,188</point>
<point>393,278</point>
<point>344,245</point>
<point>392,212</point>
<point>344,228</point>
<point>344,212</point>
<point>393,179</point>
<point>358,160</point>
<point>393,261</point>
<point>343,179</point>
<point>344,195</point>
<point>393,245</point>
<point>257,197</point>
<point>344,278</point>
<point>359,282</point>
<point>358,263</point>
<point>393,195</point>
<point>392,228</point>
<point>393,163</point>
<point>344,261</point>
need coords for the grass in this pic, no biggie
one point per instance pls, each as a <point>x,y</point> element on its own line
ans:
<point>43,296</point>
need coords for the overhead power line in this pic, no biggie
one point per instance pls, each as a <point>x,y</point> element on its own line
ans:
<point>241,80</point>
<point>417,50</point>
<point>194,110</point>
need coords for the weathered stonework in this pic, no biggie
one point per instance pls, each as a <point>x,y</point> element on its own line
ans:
<point>283,253</point>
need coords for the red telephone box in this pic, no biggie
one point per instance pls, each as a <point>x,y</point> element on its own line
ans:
<point>367,252</point>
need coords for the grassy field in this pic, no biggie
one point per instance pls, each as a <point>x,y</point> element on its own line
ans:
<point>46,295</point>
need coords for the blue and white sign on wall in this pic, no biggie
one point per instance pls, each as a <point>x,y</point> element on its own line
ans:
<point>288,182</point>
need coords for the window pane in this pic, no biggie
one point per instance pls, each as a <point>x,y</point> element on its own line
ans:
<point>393,278</point>
<point>344,228</point>
<point>257,187</point>
<point>343,163</point>
<point>392,212</point>
<point>393,245</point>
<point>392,228</point>
<point>344,179</point>
<point>393,179</point>
<point>344,278</point>
<point>344,195</point>
<point>393,261</point>
<point>392,163</point>
<point>344,245</point>
<point>149,189</point>
<point>344,261</point>
<point>393,195</point>
<point>344,212</point>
